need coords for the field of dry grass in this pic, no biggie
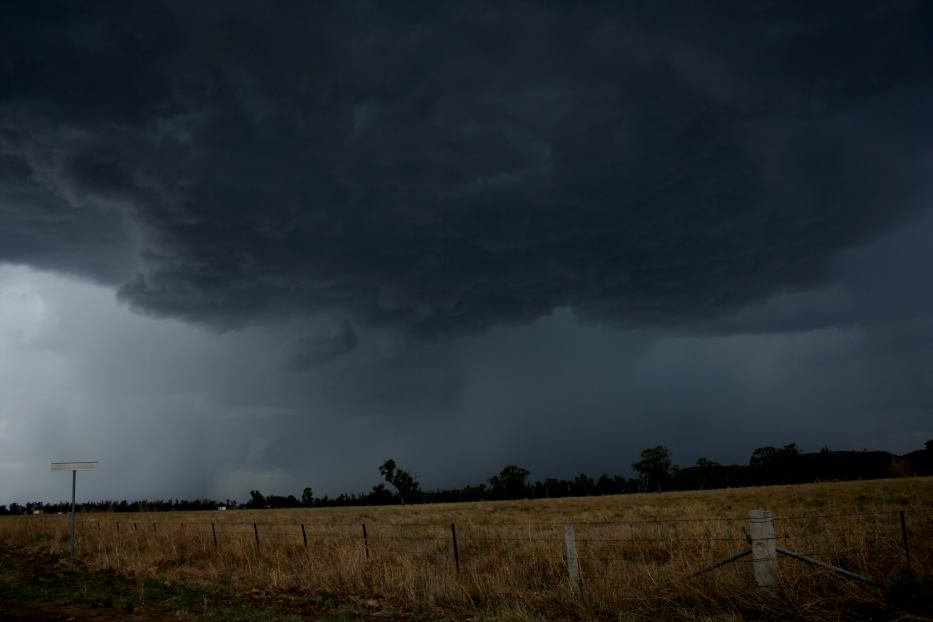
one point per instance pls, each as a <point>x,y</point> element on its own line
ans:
<point>636,553</point>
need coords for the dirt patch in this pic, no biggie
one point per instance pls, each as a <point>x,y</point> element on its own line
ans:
<point>23,611</point>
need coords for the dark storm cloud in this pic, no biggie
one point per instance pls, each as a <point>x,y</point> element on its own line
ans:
<point>317,349</point>
<point>445,167</point>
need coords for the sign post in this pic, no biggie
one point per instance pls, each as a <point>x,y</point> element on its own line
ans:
<point>74,467</point>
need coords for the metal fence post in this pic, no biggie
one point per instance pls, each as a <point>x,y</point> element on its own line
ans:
<point>453,534</point>
<point>256,533</point>
<point>764,553</point>
<point>214,534</point>
<point>365,541</point>
<point>304,535</point>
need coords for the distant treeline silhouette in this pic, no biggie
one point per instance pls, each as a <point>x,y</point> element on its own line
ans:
<point>767,466</point>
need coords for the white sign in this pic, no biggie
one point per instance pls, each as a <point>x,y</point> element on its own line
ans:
<point>73,466</point>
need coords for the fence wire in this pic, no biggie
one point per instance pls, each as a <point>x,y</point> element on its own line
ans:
<point>678,543</point>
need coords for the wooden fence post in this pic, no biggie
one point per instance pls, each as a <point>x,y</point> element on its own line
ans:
<point>256,533</point>
<point>906,541</point>
<point>573,562</point>
<point>764,553</point>
<point>365,541</point>
<point>453,534</point>
<point>304,536</point>
<point>214,534</point>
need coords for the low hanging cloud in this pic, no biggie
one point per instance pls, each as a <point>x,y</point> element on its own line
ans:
<point>448,168</point>
<point>317,349</point>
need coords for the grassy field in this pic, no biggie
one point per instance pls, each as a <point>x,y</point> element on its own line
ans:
<point>637,553</point>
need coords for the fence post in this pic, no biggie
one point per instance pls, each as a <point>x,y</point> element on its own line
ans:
<point>573,562</point>
<point>906,541</point>
<point>365,541</point>
<point>214,534</point>
<point>135,527</point>
<point>256,533</point>
<point>453,534</point>
<point>764,553</point>
<point>304,536</point>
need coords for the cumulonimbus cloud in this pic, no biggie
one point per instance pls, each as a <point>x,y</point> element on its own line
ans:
<point>450,167</point>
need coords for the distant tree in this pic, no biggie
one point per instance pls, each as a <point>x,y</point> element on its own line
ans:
<point>676,477</point>
<point>553,487</point>
<point>654,466</point>
<point>405,483</point>
<point>379,495</point>
<point>473,493</point>
<point>605,485</point>
<point>387,469</point>
<point>901,468</point>
<point>777,465</point>
<point>256,499</point>
<point>307,497</point>
<point>582,485</point>
<point>767,456</point>
<point>763,457</point>
<point>510,483</point>
<point>705,469</point>
<point>278,501</point>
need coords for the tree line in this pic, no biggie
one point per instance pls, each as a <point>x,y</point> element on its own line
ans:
<point>655,473</point>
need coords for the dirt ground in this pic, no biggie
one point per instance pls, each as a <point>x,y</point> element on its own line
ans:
<point>21,612</point>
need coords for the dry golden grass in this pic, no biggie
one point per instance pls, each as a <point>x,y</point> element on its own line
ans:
<point>637,552</point>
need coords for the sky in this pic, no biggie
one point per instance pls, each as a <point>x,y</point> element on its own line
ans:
<point>251,245</point>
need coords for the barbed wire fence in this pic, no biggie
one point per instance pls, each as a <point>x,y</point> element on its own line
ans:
<point>838,543</point>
